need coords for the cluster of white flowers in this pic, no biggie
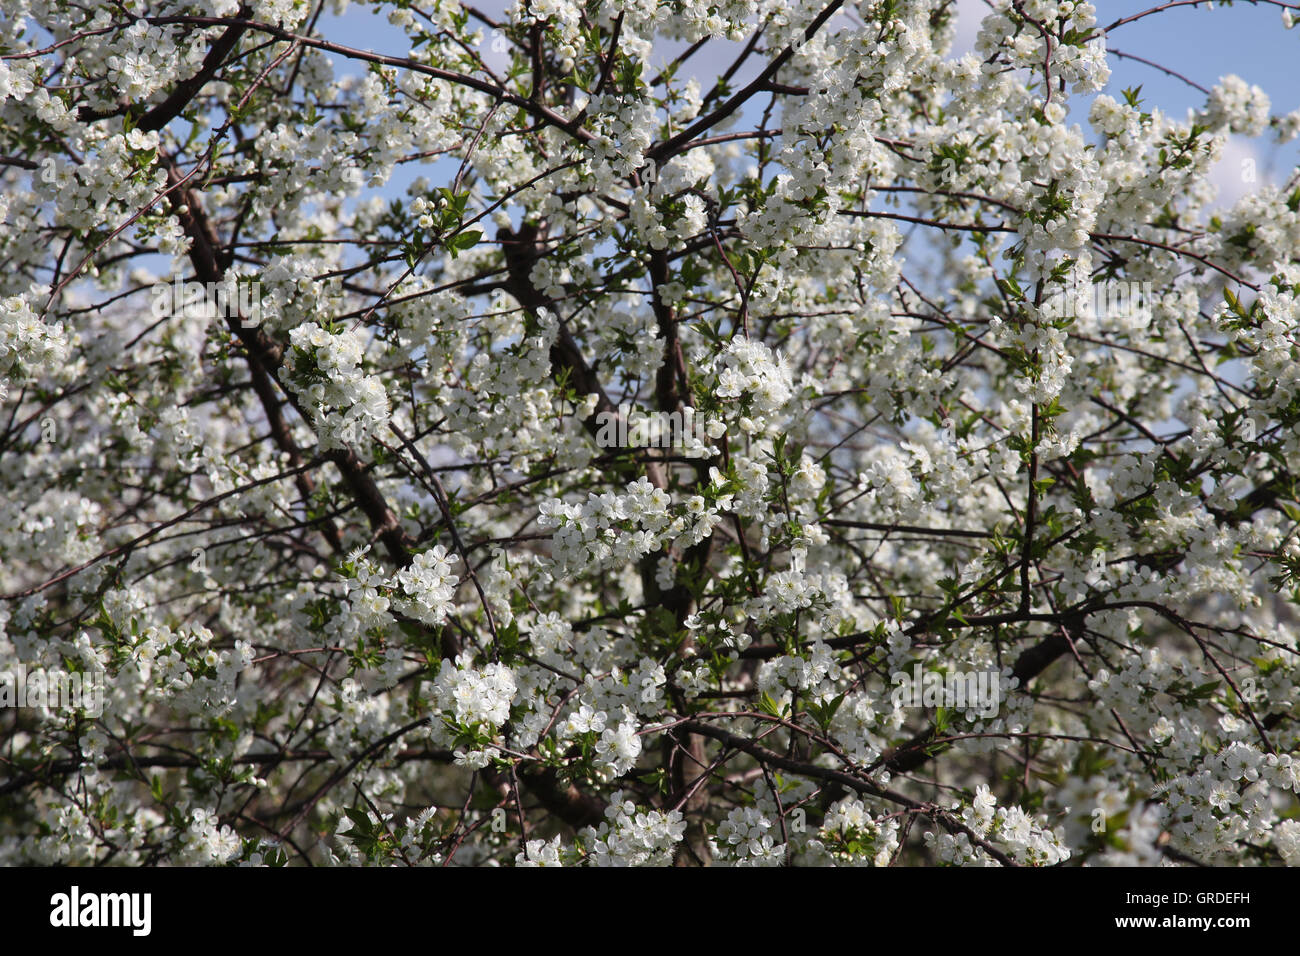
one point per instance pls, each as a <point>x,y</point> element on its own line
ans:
<point>1020,836</point>
<point>30,348</point>
<point>347,406</point>
<point>587,535</point>
<point>206,842</point>
<point>472,695</point>
<point>757,381</point>
<point>428,585</point>
<point>624,131</point>
<point>798,673</point>
<point>632,837</point>
<point>851,834</point>
<point>1286,838</point>
<point>540,853</point>
<point>617,749</point>
<point>745,839</point>
<point>904,454</point>
<point>1241,107</point>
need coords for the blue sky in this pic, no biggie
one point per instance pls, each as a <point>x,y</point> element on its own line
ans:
<point>1203,43</point>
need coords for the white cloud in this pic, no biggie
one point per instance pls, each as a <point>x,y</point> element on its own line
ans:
<point>1239,171</point>
<point>970,14</point>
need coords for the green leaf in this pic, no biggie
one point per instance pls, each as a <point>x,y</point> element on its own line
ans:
<point>461,241</point>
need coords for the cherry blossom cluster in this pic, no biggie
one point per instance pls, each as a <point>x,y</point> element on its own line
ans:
<point>366,580</point>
